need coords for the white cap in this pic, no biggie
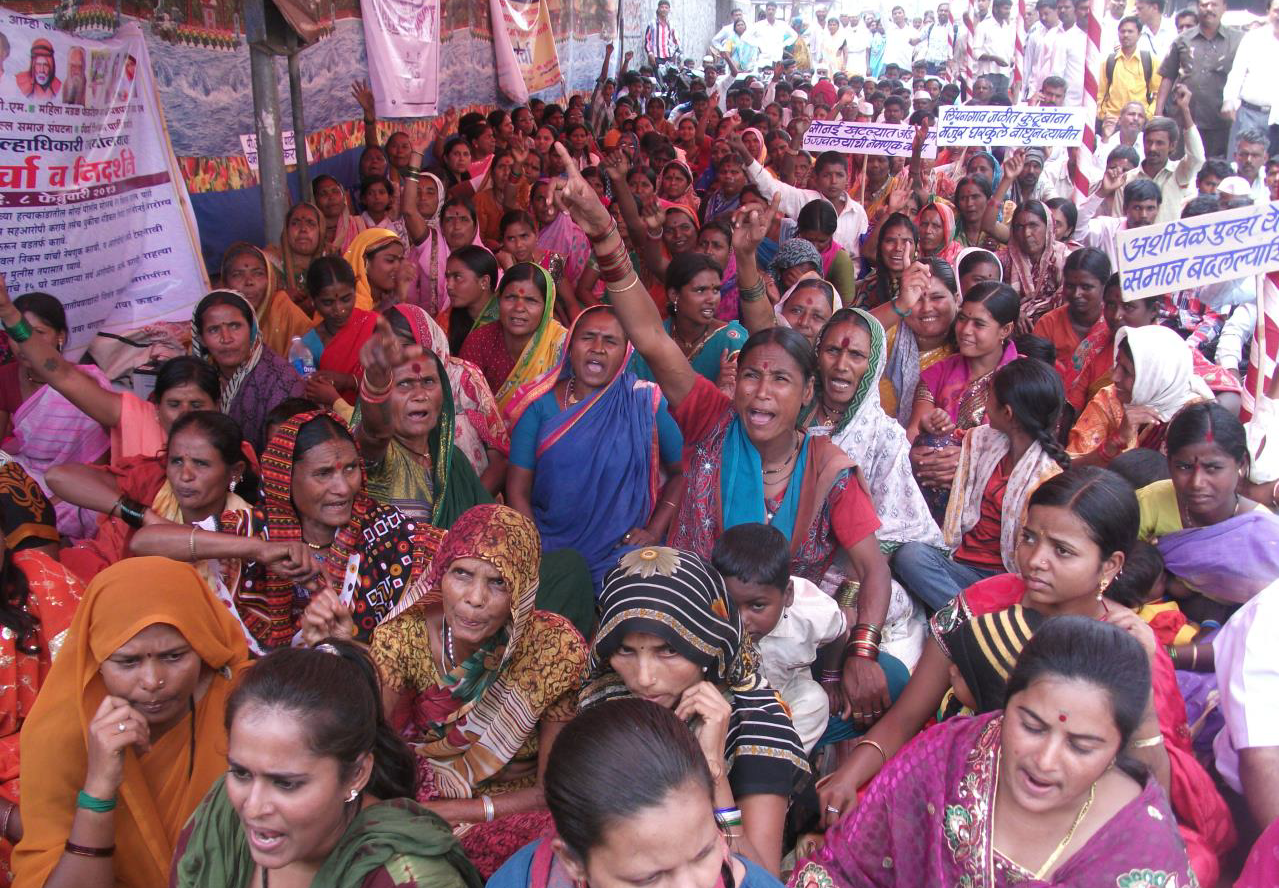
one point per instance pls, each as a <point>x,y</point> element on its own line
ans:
<point>799,94</point>
<point>1234,186</point>
<point>923,94</point>
<point>866,109</point>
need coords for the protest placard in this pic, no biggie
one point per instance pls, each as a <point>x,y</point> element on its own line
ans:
<point>92,207</point>
<point>1021,126</point>
<point>851,137</point>
<point>1187,253</point>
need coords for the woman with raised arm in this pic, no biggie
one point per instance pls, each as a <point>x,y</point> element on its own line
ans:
<point>751,463</point>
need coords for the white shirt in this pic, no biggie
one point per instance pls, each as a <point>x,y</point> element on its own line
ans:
<point>850,223</point>
<point>1260,193</point>
<point>1099,232</point>
<point>1031,54</point>
<point>940,45</point>
<point>1255,72</point>
<point>1069,49</point>
<point>1048,40</point>
<point>897,46</point>
<point>1112,143</point>
<point>787,653</point>
<point>772,40</point>
<point>1236,335</point>
<point>1110,37</point>
<point>1247,666</point>
<point>857,40</point>
<point>1157,43</point>
<point>995,39</point>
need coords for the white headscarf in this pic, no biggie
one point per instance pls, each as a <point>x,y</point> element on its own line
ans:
<point>1163,370</point>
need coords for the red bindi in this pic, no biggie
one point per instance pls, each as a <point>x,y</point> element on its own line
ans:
<point>765,366</point>
<point>845,342</point>
<point>1061,717</point>
<point>417,368</point>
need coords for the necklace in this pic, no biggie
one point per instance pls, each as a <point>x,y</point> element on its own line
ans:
<point>1043,870</point>
<point>447,635</point>
<point>570,398</point>
<point>829,416</point>
<point>1187,522</point>
<point>779,469</point>
<point>687,347</point>
<point>315,547</point>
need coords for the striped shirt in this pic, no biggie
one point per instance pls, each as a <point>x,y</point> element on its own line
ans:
<point>660,41</point>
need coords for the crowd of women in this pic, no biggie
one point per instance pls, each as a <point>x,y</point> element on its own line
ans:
<point>666,505</point>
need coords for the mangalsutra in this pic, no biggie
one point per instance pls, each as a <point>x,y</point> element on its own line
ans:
<point>570,398</point>
<point>779,469</point>
<point>447,633</point>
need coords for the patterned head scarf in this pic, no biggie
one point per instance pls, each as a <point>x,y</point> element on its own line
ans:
<point>985,650</point>
<point>795,251</point>
<point>680,597</point>
<point>868,386</point>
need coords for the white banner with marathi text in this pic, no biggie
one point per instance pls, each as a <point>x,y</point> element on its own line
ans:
<point>402,39</point>
<point>92,206</point>
<point>851,137</point>
<point>1020,126</point>
<point>1189,253</point>
<point>524,48</point>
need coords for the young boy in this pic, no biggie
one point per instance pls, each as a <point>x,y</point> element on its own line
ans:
<point>787,617</point>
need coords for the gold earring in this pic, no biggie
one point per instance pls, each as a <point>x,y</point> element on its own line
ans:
<point>1101,588</point>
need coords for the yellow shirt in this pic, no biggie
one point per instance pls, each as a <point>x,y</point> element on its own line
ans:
<point>1129,85</point>
<point>1160,513</point>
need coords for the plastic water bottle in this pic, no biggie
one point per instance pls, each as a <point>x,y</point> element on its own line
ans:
<point>301,358</point>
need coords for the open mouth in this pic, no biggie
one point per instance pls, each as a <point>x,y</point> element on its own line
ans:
<point>759,417</point>
<point>1034,785</point>
<point>265,841</point>
<point>593,366</point>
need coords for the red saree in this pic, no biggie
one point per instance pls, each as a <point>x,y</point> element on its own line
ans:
<point>342,353</point>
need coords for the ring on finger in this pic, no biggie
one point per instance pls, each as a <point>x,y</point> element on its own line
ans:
<point>832,809</point>
<point>120,728</point>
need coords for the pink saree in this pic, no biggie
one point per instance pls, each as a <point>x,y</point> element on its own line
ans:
<point>926,820</point>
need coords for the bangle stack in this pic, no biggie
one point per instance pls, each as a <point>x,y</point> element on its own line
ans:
<point>90,803</point>
<point>865,641</point>
<point>19,332</point>
<point>412,172</point>
<point>631,281</point>
<point>490,810</point>
<point>616,264</point>
<point>371,395</point>
<point>831,676</point>
<point>729,819</point>
<point>131,511</point>
<point>846,595</point>
<point>755,293</point>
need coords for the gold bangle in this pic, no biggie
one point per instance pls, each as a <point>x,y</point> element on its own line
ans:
<point>866,741</point>
<point>1147,742</point>
<point>624,285</point>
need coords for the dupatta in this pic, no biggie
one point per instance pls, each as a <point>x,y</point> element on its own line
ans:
<point>980,454</point>
<point>279,319</point>
<point>1230,561</point>
<point>1164,376</point>
<point>540,353</point>
<point>1038,282</point>
<point>357,254</point>
<point>342,353</point>
<point>614,487</point>
<point>954,390</point>
<point>162,786</point>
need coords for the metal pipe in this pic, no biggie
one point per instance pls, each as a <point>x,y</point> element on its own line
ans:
<point>266,119</point>
<point>299,125</point>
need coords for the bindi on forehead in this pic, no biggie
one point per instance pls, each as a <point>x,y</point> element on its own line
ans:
<point>417,368</point>
<point>846,342</point>
<point>1061,717</point>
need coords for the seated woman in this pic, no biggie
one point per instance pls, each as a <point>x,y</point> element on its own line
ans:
<point>301,243</point>
<point>924,336</point>
<point>750,463</point>
<point>1041,792</point>
<point>797,259</point>
<point>1033,261</point>
<point>936,225</point>
<point>619,498</point>
<point>478,429</point>
<point>1079,526</point>
<point>1216,542</point>
<point>896,249</point>
<point>206,472</point>
<point>1079,319</point>
<point>376,257</point>
<point>42,427</point>
<point>972,193</point>
<point>715,241</point>
<point>1154,377</point>
<point>806,307</point>
<point>951,396</point>
<point>480,682</point>
<point>344,816</point>
<point>224,331</point>
<point>516,338</point>
<point>1000,466</point>
<point>471,279</point>
<point>317,541</point>
<point>669,633</point>
<point>38,598</point>
<point>665,819</point>
<point>126,736</point>
<point>816,223</point>
<point>335,341</point>
<point>562,245</point>
<point>693,288</point>
<point>340,226</point>
<point>247,270</point>
<point>850,366</point>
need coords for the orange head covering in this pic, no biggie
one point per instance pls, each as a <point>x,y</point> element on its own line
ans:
<point>357,255</point>
<point>161,787</point>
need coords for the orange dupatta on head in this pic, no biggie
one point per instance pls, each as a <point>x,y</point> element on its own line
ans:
<point>161,787</point>
<point>279,318</point>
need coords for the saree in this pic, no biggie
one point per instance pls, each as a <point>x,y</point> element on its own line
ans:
<point>432,256</point>
<point>724,487</point>
<point>292,266</point>
<point>1203,819</point>
<point>980,454</point>
<point>27,519</point>
<point>342,353</point>
<point>729,308</point>
<point>478,424</point>
<point>371,565</point>
<point>1037,281</point>
<point>161,786</point>
<point>928,819</point>
<point>1230,561</point>
<point>901,372</point>
<point>706,355</point>
<point>395,843</point>
<point>878,445</point>
<point>562,238</point>
<point>434,488</point>
<point>356,256</point>
<point>279,318</point>
<point>486,348</point>
<point>950,386</point>
<point>615,487</point>
<point>53,593</point>
<point>679,597</point>
<point>47,431</point>
<point>950,245</point>
<point>262,381</point>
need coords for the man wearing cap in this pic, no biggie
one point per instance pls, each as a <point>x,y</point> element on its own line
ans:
<point>660,42</point>
<point>772,36</point>
<point>921,100</point>
<point>856,46</point>
<point>40,80</point>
